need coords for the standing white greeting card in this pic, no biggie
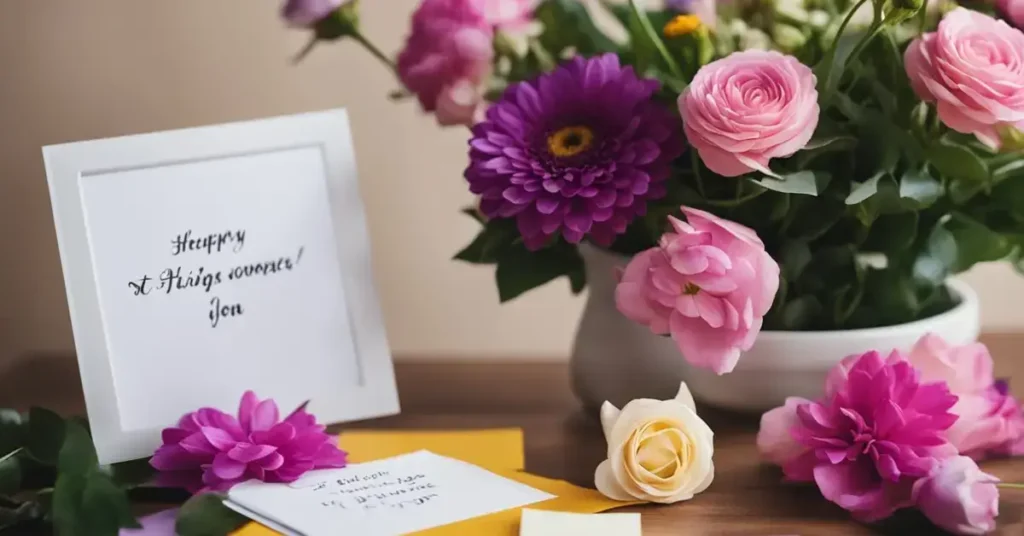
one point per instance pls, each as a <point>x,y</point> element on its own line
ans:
<point>397,495</point>
<point>205,262</point>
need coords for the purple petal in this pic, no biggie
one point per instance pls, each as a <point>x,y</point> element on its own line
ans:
<point>245,408</point>
<point>264,416</point>
<point>198,444</point>
<point>247,453</point>
<point>279,434</point>
<point>220,439</point>
<point>227,469</point>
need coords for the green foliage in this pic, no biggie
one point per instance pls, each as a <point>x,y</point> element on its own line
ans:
<point>206,515</point>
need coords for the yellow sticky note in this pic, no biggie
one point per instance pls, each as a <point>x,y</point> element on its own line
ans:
<point>568,498</point>
<point>500,448</point>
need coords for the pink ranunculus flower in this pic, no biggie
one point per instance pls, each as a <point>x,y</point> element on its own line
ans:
<point>210,450</point>
<point>304,13</point>
<point>449,49</point>
<point>958,497</point>
<point>870,439</point>
<point>743,110</point>
<point>989,417</point>
<point>775,439</point>
<point>708,284</point>
<point>1013,10</point>
<point>973,68</point>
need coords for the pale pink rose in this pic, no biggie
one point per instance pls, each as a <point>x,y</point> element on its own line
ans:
<point>973,68</point>
<point>448,49</point>
<point>957,496</point>
<point>506,14</point>
<point>708,284</point>
<point>1013,10</point>
<point>966,369</point>
<point>775,436</point>
<point>743,110</point>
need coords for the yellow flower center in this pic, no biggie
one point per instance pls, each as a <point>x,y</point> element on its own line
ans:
<point>681,25</point>
<point>690,289</point>
<point>570,141</point>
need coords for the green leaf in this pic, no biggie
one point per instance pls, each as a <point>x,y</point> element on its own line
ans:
<point>919,186</point>
<point>801,313</point>
<point>802,182</point>
<point>18,513</point>
<point>206,515</point>
<point>892,233</point>
<point>837,142</point>
<point>1010,170</point>
<point>77,454</point>
<point>10,473</point>
<point>934,265</point>
<point>863,190</point>
<point>520,269</point>
<point>12,431</point>
<point>474,213</point>
<point>957,162</point>
<point>794,257</point>
<point>976,242</point>
<point>45,435</point>
<point>567,24</point>
<point>67,505</point>
<point>132,473</point>
<point>105,506</point>
<point>496,236</point>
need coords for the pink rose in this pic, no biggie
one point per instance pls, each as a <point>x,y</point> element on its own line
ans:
<point>973,67</point>
<point>957,496</point>
<point>506,14</point>
<point>743,110</point>
<point>448,50</point>
<point>989,418</point>
<point>775,439</point>
<point>708,284</point>
<point>305,13</point>
<point>1012,10</point>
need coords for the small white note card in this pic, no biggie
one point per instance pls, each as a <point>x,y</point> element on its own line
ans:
<point>407,493</point>
<point>544,523</point>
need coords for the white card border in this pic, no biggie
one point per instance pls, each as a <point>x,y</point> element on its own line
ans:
<point>67,163</point>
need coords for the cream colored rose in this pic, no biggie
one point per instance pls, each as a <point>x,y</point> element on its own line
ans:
<point>658,451</point>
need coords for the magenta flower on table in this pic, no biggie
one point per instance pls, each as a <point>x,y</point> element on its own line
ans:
<point>959,497</point>
<point>973,68</point>
<point>446,60</point>
<point>745,109</point>
<point>877,431</point>
<point>576,152</point>
<point>210,450</point>
<point>306,13</point>
<point>708,285</point>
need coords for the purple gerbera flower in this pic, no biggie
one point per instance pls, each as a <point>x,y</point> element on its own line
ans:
<point>876,432</point>
<point>577,151</point>
<point>211,450</point>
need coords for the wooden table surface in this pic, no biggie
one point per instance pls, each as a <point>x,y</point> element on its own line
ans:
<point>562,441</point>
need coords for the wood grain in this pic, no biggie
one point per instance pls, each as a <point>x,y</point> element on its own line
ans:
<point>562,441</point>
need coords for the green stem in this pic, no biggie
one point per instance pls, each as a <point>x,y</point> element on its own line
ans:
<point>11,454</point>
<point>728,203</point>
<point>695,165</point>
<point>1010,485</point>
<point>873,32</point>
<point>648,28</point>
<point>305,50</point>
<point>376,52</point>
<point>922,17</point>
<point>830,57</point>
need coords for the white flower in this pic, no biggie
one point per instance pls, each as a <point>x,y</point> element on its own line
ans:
<point>658,451</point>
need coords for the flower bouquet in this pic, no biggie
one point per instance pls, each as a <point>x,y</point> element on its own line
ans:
<point>789,165</point>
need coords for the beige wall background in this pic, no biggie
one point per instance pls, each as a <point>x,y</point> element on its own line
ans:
<point>80,69</point>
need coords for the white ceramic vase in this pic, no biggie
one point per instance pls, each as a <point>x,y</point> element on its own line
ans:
<point>617,360</point>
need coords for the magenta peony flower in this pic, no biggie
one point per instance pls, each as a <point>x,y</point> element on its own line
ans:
<point>747,108</point>
<point>708,284</point>
<point>989,417</point>
<point>1013,10</point>
<point>578,152</point>
<point>873,436</point>
<point>448,50</point>
<point>211,450</point>
<point>973,67</point>
<point>775,439</point>
<point>959,497</point>
<point>305,13</point>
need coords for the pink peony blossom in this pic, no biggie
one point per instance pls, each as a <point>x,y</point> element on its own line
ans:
<point>708,284</point>
<point>959,497</point>
<point>211,450</point>
<point>1013,10</point>
<point>973,67</point>
<point>304,13</point>
<point>448,50</point>
<point>873,436</point>
<point>775,439</point>
<point>510,15</point>
<point>743,110</point>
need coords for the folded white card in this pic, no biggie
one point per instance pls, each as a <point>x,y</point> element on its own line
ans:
<point>544,523</point>
<point>397,495</point>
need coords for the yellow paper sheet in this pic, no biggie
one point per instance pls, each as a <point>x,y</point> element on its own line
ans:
<point>500,451</point>
<point>500,448</point>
